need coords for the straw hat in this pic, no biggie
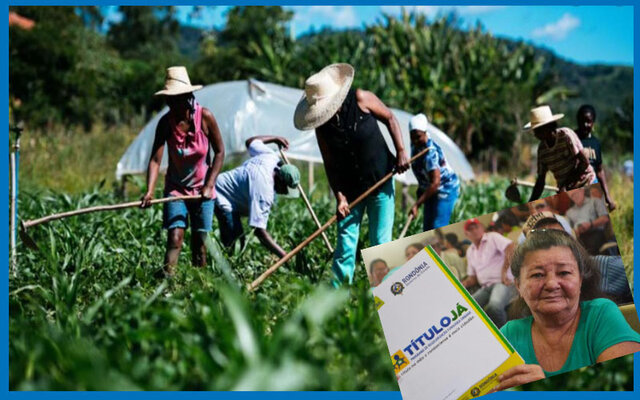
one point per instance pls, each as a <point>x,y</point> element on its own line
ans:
<point>541,116</point>
<point>177,82</point>
<point>324,93</point>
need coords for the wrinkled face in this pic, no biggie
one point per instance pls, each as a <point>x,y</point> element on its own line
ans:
<point>577,196</point>
<point>550,281</point>
<point>418,138</point>
<point>380,270</point>
<point>586,121</point>
<point>410,251</point>
<point>474,232</point>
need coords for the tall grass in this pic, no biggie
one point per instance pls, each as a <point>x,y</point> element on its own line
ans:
<point>621,190</point>
<point>70,160</point>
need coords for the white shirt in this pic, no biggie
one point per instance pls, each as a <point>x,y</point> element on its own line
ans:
<point>248,189</point>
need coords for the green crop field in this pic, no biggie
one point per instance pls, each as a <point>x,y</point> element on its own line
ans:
<point>88,312</point>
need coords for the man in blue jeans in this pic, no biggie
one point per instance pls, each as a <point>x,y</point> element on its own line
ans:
<point>438,184</point>
<point>250,190</point>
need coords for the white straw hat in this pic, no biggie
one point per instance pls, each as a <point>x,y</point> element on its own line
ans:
<point>541,116</point>
<point>418,122</point>
<point>324,93</point>
<point>177,82</point>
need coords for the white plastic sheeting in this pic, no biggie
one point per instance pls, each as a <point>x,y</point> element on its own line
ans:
<point>248,108</point>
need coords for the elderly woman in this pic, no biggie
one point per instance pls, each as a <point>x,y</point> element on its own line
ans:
<point>188,131</point>
<point>355,157</point>
<point>569,327</point>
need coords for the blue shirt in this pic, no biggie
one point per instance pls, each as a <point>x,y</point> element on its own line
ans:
<point>434,159</point>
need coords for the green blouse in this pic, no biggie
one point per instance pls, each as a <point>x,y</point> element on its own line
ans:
<point>601,326</point>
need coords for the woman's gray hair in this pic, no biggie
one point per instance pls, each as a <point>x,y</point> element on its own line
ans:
<point>542,239</point>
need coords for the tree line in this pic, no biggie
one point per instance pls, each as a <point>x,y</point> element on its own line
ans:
<point>478,88</point>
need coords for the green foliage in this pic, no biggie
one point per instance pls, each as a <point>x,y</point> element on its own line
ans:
<point>88,311</point>
<point>143,31</point>
<point>476,87</point>
<point>88,306</point>
<point>70,160</point>
<point>616,129</point>
<point>255,43</point>
<point>608,376</point>
<point>65,71</point>
<point>60,71</point>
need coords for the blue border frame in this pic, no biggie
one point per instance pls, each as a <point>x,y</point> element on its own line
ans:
<point>4,220</point>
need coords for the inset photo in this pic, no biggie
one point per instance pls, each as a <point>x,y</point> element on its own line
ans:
<point>548,275</point>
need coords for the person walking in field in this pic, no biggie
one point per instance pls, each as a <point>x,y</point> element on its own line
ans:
<point>355,157</point>
<point>250,190</point>
<point>586,117</point>
<point>188,131</point>
<point>438,184</point>
<point>560,152</point>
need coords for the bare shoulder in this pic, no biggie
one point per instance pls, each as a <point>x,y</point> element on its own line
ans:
<point>207,114</point>
<point>370,103</point>
<point>210,124</point>
<point>363,96</point>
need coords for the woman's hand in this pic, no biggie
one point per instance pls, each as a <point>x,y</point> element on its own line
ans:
<point>402,161</point>
<point>207,192</point>
<point>343,206</point>
<point>146,200</point>
<point>413,212</point>
<point>519,375</point>
<point>612,204</point>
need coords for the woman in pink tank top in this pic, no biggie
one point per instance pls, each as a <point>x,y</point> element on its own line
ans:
<point>188,131</point>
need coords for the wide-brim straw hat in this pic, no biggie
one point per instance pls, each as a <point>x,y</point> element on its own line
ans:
<point>324,93</point>
<point>177,82</point>
<point>541,116</point>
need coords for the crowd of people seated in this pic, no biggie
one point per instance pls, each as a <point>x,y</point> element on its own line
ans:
<point>482,259</point>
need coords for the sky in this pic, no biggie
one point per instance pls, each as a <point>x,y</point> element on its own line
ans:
<point>583,34</point>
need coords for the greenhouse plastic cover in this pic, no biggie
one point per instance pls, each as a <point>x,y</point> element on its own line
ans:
<point>249,108</point>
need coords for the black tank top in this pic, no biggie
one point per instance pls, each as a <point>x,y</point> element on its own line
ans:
<point>358,150</point>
